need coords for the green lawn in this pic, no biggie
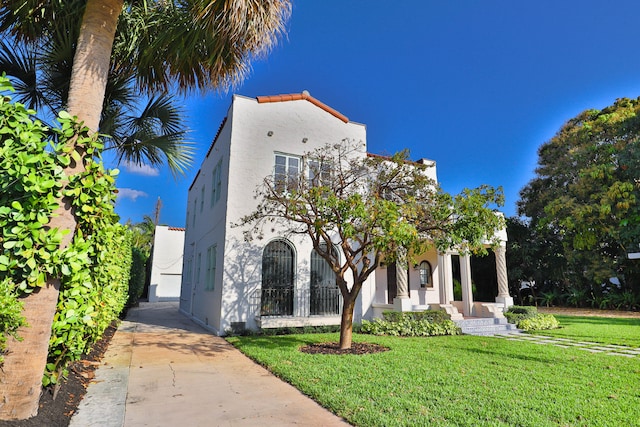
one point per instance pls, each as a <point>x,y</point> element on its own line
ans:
<point>458,381</point>
<point>598,329</point>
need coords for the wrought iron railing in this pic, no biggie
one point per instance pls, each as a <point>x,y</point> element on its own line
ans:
<point>276,302</point>
<point>324,301</point>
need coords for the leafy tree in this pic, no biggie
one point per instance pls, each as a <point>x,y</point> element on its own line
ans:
<point>535,256</point>
<point>372,208</point>
<point>142,243</point>
<point>143,233</point>
<point>183,44</point>
<point>586,199</point>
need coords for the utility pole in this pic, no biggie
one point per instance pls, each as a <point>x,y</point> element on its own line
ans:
<point>157,216</point>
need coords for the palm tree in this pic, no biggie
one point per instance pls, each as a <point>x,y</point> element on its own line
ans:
<point>143,233</point>
<point>166,44</point>
<point>153,134</point>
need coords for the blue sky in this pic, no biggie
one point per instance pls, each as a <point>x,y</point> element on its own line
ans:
<point>476,86</point>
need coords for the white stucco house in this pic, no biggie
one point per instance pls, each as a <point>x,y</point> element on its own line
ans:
<point>166,264</point>
<point>229,283</point>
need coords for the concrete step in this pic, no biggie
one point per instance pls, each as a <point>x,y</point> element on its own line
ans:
<point>486,326</point>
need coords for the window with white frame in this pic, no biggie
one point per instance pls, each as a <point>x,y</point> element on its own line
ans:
<point>216,183</point>
<point>286,172</point>
<point>195,208</point>
<point>426,280</point>
<point>211,268</point>
<point>319,172</point>
<point>201,199</point>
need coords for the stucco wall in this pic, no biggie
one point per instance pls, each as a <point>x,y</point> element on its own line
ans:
<point>259,132</point>
<point>245,148</point>
<point>166,268</point>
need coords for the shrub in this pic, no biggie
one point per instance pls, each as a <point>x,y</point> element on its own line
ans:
<point>516,313</point>
<point>539,322</point>
<point>433,316</point>
<point>94,268</point>
<point>412,324</point>
<point>137,276</point>
<point>10,314</point>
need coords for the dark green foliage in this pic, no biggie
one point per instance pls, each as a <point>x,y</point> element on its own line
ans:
<point>138,274</point>
<point>584,208</point>
<point>515,313</point>
<point>10,314</point>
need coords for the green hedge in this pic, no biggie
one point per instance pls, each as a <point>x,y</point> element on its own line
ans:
<point>94,268</point>
<point>411,324</point>
<point>434,316</point>
<point>539,322</point>
<point>516,313</point>
<point>10,314</point>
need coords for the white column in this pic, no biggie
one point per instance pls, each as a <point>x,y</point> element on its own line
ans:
<point>503,282</point>
<point>445,276</point>
<point>401,275</point>
<point>467,291</point>
<point>402,302</point>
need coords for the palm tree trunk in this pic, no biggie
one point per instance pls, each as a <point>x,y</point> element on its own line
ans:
<point>21,374</point>
<point>91,62</point>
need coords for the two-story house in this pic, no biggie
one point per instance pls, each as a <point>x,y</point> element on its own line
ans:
<point>231,283</point>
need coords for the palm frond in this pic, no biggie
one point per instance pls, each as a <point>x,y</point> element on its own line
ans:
<point>20,64</point>
<point>155,136</point>
<point>31,20</point>
<point>203,44</point>
<point>56,62</point>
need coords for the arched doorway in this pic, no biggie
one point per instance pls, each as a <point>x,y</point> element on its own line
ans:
<point>277,279</point>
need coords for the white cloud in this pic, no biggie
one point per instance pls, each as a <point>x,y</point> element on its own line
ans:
<point>143,169</point>
<point>130,193</point>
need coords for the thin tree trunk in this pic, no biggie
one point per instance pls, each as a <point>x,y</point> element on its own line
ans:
<point>24,365</point>
<point>346,324</point>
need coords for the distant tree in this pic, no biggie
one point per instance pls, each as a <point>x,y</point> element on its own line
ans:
<point>585,198</point>
<point>373,209</point>
<point>536,258</point>
<point>142,243</point>
<point>143,233</point>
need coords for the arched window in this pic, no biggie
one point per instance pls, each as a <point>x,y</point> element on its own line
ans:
<point>426,281</point>
<point>325,295</point>
<point>277,279</point>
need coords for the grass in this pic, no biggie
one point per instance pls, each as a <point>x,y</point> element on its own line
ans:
<point>619,331</point>
<point>458,381</point>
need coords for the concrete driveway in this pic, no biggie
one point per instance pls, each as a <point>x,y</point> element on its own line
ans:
<point>161,369</point>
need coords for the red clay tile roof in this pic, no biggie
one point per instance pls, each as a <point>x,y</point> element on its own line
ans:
<point>176,228</point>
<point>300,96</point>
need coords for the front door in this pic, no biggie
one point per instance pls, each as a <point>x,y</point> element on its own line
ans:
<point>392,283</point>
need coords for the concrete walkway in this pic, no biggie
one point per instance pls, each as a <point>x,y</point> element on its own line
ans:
<point>161,369</point>
<point>592,347</point>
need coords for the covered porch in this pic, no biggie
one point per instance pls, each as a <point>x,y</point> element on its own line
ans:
<point>460,306</point>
